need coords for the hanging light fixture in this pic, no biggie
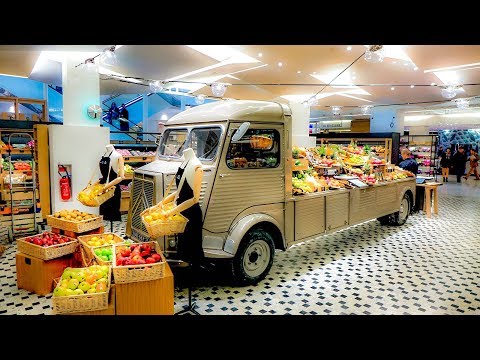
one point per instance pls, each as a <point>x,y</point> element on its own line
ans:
<point>449,92</point>
<point>218,89</point>
<point>108,57</point>
<point>336,110</point>
<point>199,99</point>
<point>462,103</point>
<point>90,66</point>
<point>366,109</point>
<point>375,54</point>
<point>156,86</point>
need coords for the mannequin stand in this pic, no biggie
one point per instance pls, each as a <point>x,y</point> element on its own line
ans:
<point>111,226</point>
<point>191,306</point>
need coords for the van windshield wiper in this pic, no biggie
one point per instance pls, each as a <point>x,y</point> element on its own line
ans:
<point>214,147</point>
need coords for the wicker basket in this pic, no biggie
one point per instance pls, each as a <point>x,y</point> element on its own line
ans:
<point>99,199</point>
<point>88,252</point>
<point>49,252</point>
<point>135,273</point>
<point>75,226</point>
<point>81,303</point>
<point>163,227</point>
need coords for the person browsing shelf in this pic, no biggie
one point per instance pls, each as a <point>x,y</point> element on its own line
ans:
<point>408,163</point>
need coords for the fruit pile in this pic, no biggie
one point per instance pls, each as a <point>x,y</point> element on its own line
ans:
<point>160,215</point>
<point>88,195</point>
<point>21,165</point>
<point>136,254</point>
<point>100,240</point>
<point>79,281</point>
<point>74,215</point>
<point>48,239</point>
<point>105,253</point>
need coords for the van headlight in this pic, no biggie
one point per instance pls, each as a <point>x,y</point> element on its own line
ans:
<point>172,243</point>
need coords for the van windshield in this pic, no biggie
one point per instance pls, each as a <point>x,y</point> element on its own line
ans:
<point>204,141</point>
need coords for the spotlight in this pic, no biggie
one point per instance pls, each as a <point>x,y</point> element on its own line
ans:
<point>90,66</point>
<point>108,57</point>
<point>218,89</point>
<point>336,110</point>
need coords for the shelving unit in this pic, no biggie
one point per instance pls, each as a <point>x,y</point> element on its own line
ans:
<point>423,147</point>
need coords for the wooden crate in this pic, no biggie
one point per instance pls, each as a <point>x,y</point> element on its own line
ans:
<point>75,235</point>
<point>146,297</point>
<point>36,275</point>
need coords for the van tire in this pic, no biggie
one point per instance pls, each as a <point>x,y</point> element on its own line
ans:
<point>384,220</point>
<point>254,258</point>
<point>400,217</point>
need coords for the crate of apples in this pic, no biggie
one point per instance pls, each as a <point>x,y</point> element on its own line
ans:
<point>138,262</point>
<point>47,245</point>
<point>82,289</point>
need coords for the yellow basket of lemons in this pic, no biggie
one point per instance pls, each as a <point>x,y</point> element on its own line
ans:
<point>95,195</point>
<point>158,224</point>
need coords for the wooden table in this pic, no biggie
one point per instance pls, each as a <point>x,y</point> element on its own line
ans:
<point>430,193</point>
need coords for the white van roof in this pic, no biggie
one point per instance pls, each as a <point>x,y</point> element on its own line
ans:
<point>242,110</point>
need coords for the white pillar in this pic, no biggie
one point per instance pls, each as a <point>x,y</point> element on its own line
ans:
<point>386,119</point>
<point>300,122</point>
<point>81,89</point>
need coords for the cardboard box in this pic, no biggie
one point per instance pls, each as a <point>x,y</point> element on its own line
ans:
<point>146,297</point>
<point>36,275</point>
<point>109,311</point>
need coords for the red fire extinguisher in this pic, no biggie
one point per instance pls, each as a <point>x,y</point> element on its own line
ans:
<point>65,184</point>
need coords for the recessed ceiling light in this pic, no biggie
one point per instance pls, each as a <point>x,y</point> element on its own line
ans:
<point>260,54</point>
<point>354,77</point>
<point>299,72</point>
<point>394,62</point>
<point>415,68</point>
<point>392,88</point>
<point>412,86</point>
<point>433,84</point>
<point>349,48</point>
<point>280,64</point>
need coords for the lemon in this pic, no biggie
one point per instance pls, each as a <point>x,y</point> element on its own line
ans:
<point>109,237</point>
<point>148,219</point>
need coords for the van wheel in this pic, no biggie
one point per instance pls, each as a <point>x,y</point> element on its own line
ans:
<point>254,258</point>
<point>400,217</point>
<point>384,220</point>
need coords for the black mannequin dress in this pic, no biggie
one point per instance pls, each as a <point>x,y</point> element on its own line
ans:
<point>190,241</point>
<point>110,209</point>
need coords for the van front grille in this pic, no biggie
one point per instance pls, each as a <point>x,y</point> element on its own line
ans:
<point>142,197</point>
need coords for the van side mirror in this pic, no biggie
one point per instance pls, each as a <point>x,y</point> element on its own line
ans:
<point>241,131</point>
<point>157,139</point>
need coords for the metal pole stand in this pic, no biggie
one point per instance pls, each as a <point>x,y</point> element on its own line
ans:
<point>191,307</point>
<point>111,226</point>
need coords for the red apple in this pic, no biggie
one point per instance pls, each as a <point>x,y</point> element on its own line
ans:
<point>150,260</point>
<point>133,247</point>
<point>156,257</point>
<point>145,254</point>
<point>126,252</point>
<point>140,262</point>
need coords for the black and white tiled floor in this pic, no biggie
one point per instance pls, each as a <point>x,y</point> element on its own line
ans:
<point>427,266</point>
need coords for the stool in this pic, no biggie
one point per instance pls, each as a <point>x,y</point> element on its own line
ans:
<point>431,192</point>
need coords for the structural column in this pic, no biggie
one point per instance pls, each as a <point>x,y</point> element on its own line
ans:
<point>300,123</point>
<point>386,119</point>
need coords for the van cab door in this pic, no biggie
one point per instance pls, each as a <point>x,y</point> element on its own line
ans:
<point>250,173</point>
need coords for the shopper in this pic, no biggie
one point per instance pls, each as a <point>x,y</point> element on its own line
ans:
<point>440,151</point>
<point>408,163</point>
<point>459,160</point>
<point>473,164</point>
<point>446,163</point>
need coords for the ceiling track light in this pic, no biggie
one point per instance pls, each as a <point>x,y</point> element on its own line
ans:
<point>375,54</point>
<point>156,86</point>
<point>90,66</point>
<point>108,57</point>
<point>199,99</point>
<point>218,89</point>
<point>462,103</point>
<point>450,91</point>
<point>336,110</point>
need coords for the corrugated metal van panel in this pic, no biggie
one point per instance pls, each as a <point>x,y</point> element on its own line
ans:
<point>337,210</point>
<point>309,217</point>
<point>387,198</point>
<point>363,204</point>
<point>240,189</point>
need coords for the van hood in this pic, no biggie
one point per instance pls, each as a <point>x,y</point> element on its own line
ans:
<point>160,167</point>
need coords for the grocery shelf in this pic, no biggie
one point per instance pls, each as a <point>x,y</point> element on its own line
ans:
<point>17,151</point>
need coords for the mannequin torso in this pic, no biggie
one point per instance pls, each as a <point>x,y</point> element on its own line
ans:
<point>116,165</point>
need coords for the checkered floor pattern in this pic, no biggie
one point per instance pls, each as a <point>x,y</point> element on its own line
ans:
<point>427,266</point>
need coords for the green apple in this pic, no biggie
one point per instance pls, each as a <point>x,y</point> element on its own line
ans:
<point>91,291</point>
<point>78,292</point>
<point>73,284</point>
<point>64,283</point>
<point>68,292</point>
<point>105,252</point>
<point>80,276</point>
<point>99,273</point>
<point>102,280</point>
<point>98,252</point>
<point>59,291</point>
<point>67,274</point>
<point>105,269</point>
<point>104,258</point>
<point>84,286</point>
